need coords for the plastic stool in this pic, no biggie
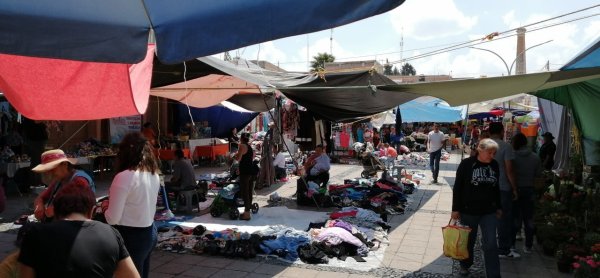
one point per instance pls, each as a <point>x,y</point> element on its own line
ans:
<point>187,203</point>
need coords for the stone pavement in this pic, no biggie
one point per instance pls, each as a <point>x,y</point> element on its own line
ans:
<point>415,248</point>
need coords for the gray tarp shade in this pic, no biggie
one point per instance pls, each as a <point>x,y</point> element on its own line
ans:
<point>461,92</point>
<point>346,97</point>
<point>210,81</point>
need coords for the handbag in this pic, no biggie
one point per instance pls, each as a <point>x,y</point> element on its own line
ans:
<point>456,239</point>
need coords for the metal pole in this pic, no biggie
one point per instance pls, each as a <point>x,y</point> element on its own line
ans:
<point>505,64</point>
<point>464,135</point>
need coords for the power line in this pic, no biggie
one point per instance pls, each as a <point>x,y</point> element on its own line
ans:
<point>456,45</point>
<point>466,45</point>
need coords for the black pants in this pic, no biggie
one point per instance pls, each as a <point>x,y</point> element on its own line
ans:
<point>246,188</point>
<point>280,173</point>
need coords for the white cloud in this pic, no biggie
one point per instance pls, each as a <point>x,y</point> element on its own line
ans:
<point>592,32</point>
<point>567,40</point>
<point>268,52</point>
<point>430,19</point>
<point>319,46</point>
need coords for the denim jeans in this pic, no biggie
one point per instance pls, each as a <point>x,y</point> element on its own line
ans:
<point>505,223</point>
<point>139,242</point>
<point>389,162</point>
<point>523,210</point>
<point>434,163</point>
<point>487,222</point>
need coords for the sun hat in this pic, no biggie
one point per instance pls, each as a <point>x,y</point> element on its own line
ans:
<point>51,159</point>
<point>548,134</point>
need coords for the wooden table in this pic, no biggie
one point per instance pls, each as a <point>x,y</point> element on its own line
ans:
<point>163,154</point>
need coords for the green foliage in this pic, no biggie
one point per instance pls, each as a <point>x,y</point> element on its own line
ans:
<point>318,62</point>
<point>408,69</point>
<point>387,69</point>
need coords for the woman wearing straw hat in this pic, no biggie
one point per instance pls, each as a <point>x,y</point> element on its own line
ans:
<point>60,170</point>
<point>132,202</point>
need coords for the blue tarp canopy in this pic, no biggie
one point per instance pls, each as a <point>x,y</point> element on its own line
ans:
<point>588,58</point>
<point>221,119</point>
<point>119,30</point>
<point>428,109</point>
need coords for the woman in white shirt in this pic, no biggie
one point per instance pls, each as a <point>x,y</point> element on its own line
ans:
<point>132,199</point>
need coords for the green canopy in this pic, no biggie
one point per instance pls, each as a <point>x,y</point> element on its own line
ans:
<point>583,99</point>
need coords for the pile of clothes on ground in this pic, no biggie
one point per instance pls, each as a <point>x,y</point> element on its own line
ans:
<point>350,232</point>
<point>385,196</point>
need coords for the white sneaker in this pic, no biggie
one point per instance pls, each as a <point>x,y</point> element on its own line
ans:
<point>510,255</point>
<point>527,250</point>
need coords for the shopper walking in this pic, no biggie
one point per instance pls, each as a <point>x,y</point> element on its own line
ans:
<point>132,199</point>
<point>476,203</point>
<point>436,141</point>
<point>527,167</point>
<point>508,190</point>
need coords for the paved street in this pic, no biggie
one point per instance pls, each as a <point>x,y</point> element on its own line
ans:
<point>415,248</point>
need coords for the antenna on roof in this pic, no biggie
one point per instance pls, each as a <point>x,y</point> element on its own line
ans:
<point>331,43</point>
<point>401,43</point>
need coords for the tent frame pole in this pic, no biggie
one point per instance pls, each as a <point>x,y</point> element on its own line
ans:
<point>464,135</point>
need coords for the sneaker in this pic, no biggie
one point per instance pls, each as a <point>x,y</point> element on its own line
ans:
<point>434,182</point>
<point>463,271</point>
<point>527,250</point>
<point>510,255</point>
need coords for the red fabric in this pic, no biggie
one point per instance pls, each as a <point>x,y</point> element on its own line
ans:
<point>336,215</point>
<point>344,140</point>
<point>334,187</point>
<point>55,89</point>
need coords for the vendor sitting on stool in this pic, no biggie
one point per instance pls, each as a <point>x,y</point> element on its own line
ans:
<point>183,174</point>
<point>317,167</point>
<point>279,164</point>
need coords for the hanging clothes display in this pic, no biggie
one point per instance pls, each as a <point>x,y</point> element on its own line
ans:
<point>320,133</point>
<point>290,119</point>
<point>306,131</point>
<point>266,175</point>
<point>344,139</point>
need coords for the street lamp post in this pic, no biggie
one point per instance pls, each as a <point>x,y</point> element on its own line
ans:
<point>509,69</point>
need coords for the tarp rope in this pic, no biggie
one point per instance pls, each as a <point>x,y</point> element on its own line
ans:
<point>73,135</point>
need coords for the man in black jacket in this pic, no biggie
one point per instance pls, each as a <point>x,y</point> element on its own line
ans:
<point>476,203</point>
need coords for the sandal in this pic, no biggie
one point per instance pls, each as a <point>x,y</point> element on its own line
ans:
<point>245,216</point>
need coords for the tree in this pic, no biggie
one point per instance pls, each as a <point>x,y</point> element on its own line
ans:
<point>395,71</point>
<point>387,68</point>
<point>318,62</point>
<point>408,69</point>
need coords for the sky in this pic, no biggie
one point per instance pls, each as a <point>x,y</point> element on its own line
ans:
<point>427,25</point>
